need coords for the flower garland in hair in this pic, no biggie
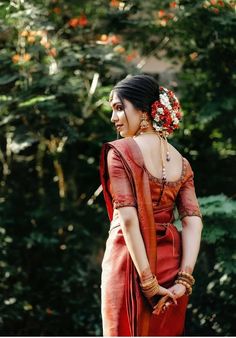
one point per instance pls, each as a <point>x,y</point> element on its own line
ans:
<point>166,112</point>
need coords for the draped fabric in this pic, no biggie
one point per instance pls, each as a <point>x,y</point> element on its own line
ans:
<point>127,182</point>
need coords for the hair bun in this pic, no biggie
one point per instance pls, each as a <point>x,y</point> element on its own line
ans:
<point>166,112</point>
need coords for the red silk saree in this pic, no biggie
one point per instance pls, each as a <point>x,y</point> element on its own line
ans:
<point>127,182</point>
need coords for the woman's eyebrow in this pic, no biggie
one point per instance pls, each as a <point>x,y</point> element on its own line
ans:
<point>115,103</point>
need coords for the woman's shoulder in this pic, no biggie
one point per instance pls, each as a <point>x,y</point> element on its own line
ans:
<point>123,146</point>
<point>115,149</point>
<point>186,163</point>
<point>176,151</point>
<point>188,171</point>
<point>120,142</point>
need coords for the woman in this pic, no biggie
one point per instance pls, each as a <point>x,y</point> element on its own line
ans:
<point>148,264</point>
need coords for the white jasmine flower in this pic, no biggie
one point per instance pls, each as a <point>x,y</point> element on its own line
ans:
<point>155,126</point>
<point>175,121</point>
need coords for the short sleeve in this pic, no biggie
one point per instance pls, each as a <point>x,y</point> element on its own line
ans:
<point>186,201</point>
<point>120,188</point>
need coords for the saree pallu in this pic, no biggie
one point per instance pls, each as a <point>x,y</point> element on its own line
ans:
<point>125,311</point>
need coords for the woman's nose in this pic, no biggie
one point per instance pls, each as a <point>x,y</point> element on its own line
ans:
<point>114,117</point>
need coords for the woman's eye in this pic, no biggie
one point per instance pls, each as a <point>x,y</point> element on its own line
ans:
<point>119,108</point>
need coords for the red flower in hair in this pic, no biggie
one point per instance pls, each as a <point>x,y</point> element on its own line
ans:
<point>166,112</point>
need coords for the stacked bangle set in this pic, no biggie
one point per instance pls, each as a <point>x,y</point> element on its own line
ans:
<point>151,287</point>
<point>187,280</point>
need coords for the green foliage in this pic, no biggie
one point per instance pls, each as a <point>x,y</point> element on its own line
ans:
<point>212,306</point>
<point>58,62</point>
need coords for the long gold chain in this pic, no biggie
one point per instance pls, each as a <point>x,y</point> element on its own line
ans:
<point>164,144</point>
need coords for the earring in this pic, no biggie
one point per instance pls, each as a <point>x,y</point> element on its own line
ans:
<point>144,124</point>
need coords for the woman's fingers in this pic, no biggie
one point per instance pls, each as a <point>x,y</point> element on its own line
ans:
<point>173,297</point>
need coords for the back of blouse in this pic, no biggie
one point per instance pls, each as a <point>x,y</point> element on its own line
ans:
<point>165,195</point>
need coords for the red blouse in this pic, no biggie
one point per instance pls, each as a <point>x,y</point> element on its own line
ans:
<point>180,193</point>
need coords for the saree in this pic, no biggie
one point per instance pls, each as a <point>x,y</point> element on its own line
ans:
<point>127,182</point>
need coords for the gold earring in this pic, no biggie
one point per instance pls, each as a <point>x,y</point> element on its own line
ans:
<point>144,124</point>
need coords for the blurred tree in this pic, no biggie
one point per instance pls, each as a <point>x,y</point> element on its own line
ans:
<point>58,63</point>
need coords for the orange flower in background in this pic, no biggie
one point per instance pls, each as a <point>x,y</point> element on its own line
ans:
<point>213,2</point>
<point>31,36</point>
<point>112,39</point>
<point>31,39</point>
<point>53,52</point>
<point>104,37</point>
<point>193,56</point>
<point>81,21</point>
<point>221,3</point>
<point>21,58</point>
<point>115,39</point>
<point>74,22</point>
<point>131,56</point>
<point>26,57</point>
<point>57,10</point>
<point>161,13</point>
<point>115,3</point>
<point>24,33</point>
<point>16,58</point>
<point>173,4</point>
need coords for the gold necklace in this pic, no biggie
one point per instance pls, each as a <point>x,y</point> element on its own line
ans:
<point>162,140</point>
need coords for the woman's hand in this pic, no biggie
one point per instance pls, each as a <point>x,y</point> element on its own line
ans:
<point>159,300</point>
<point>178,290</point>
<point>166,292</point>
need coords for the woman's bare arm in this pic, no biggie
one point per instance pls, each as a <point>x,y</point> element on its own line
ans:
<point>130,228</point>
<point>191,238</point>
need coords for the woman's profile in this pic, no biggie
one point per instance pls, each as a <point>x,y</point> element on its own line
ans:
<point>147,268</point>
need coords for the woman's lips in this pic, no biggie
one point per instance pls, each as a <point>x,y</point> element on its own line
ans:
<point>118,126</point>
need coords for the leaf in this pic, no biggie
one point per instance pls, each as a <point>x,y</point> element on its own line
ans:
<point>5,79</point>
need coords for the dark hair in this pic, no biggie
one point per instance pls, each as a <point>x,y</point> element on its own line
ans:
<point>140,90</point>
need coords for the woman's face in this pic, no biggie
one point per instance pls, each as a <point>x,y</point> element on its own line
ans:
<point>125,126</point>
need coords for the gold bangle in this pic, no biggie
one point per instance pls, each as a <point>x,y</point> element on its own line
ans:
<point>151,288</point>
<point>187,275</point>
<point>186,280</point>
<point>149,284</point>
<point>187,285</point>
<point>150,293</point>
